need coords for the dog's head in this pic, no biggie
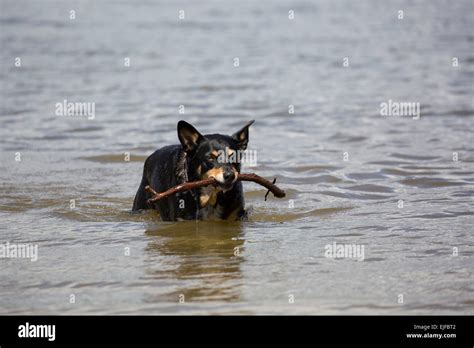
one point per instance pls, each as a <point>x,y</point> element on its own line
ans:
<point>214,155</point>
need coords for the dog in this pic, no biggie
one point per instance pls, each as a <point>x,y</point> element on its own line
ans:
<point>197,157</point>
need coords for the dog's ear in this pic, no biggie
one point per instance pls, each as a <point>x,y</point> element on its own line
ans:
<point>188,136</point>
<point>242,136</point>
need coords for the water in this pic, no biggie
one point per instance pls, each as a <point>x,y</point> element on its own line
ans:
<point>344,166</point>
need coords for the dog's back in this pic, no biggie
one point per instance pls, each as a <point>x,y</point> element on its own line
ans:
<point>164,169</point>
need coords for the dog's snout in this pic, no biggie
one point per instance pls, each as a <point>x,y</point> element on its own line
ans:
<point>229,176</point>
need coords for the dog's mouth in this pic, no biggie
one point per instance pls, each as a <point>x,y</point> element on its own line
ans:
<point>225,186</point>
<point>225,180</point>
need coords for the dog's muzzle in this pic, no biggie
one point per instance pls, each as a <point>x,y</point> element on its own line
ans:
<point>227,179</point>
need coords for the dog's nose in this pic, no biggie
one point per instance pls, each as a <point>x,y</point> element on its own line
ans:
<point>229,176</point>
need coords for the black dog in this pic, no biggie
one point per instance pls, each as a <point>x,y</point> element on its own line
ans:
<point>198,157</point>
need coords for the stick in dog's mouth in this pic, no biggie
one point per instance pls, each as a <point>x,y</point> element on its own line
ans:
<point>224,186</point>
<point>277,192</point>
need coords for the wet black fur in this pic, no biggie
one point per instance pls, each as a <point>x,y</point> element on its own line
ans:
<point>175,164</point>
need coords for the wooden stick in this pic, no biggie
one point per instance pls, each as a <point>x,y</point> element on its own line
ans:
<point>277,192</point>
<point>266,194</point>
<point>179,188</point>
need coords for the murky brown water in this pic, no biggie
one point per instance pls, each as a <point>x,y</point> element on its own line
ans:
<point>345,167</point>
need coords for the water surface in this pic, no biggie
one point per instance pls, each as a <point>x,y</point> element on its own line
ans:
<point>344,166</point>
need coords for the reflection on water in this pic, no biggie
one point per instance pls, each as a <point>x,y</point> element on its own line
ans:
<point>204,256</point>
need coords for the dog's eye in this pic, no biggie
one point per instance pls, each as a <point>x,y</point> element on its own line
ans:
<point>211,157</point>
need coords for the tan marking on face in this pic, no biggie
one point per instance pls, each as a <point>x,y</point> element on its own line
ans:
<point>215,153</point>
<point>216,173</point>
<point>230,152</point>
